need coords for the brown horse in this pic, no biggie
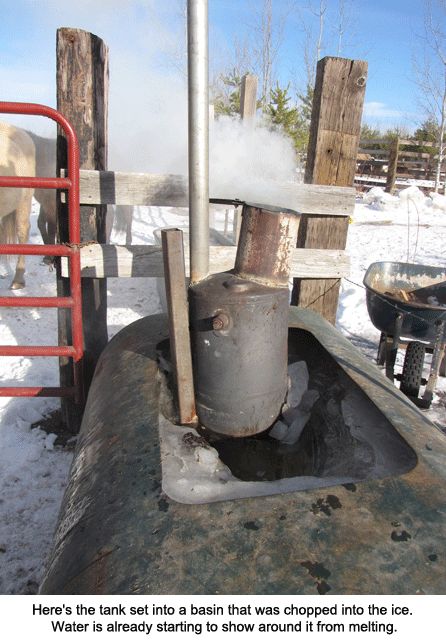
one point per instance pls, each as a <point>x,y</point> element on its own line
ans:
<point>17,158</point>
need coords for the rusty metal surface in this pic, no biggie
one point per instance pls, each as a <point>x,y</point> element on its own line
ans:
<point>118,532</point>
<point>267,239</point>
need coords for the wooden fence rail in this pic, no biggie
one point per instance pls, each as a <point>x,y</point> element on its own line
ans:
<point>146,261</point>
<point>108,187</point>
<point>385,161</point>
<point>169,190</point>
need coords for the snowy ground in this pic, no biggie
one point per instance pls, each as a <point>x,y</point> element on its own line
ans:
<point>33,471</point>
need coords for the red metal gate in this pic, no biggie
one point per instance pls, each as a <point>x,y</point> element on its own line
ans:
<point>71,250</point>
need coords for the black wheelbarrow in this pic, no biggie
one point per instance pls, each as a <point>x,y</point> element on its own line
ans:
<point>407,303</point>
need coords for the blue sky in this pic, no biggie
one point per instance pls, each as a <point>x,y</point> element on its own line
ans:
<point>146,46</point>
<point>383,32</point>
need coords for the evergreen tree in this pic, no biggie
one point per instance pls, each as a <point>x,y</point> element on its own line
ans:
<point>368,133</point>
<point>293,121</point>
<point>289,119</point>
<point>428,130</point>
<point>306,105</point>
<point>227,101</point>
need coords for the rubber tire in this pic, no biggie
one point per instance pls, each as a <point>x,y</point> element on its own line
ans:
<point>412,373</point>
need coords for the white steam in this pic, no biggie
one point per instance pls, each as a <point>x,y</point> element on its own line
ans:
<point>245,160</point>
<point>148,93</point>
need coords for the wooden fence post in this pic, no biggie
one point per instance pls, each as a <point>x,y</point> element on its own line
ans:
<point>82,97</point>
<point>331,160</point>
<point>248,97</point>
<point>248,108</point>
<point>393,164</point>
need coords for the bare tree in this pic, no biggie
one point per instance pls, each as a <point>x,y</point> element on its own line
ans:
<point>266,52</point>
<point>313,40</point>
<point>320,15</point>
<point>174,41</point>
<point>258,52</point>
<point>268,37</point>
<point>430,74</point>
<point>325,27</point>
<point>344,24</point>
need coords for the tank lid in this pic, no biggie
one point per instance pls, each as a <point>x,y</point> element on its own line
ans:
<point>265,207</point>
<point>272,208</point>
<point>231,288</point>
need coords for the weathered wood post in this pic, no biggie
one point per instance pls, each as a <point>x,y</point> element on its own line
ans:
<point>82,97</point>
<point>248,97</point>
<point>248,108</point>
<point>331,160</point>
<point>394,148</point>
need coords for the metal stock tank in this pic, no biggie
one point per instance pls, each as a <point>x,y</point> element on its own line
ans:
<point>239,328</point>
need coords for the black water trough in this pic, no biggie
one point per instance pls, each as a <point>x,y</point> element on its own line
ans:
<point>358,506</point>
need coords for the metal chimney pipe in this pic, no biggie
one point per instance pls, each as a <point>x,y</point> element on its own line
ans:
<point>198,103</point>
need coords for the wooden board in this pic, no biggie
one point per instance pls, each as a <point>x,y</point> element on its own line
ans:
<point>168,190</point>
<point>146,261</point>
<point>177,313</point>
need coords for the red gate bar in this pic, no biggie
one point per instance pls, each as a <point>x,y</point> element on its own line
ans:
<point>8,301</point>
<point>74,301</point>
<point>45,392</point>
<point>33,182</point>
<point>36,249</point>
<point>39,350</point>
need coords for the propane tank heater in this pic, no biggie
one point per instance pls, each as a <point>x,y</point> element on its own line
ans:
<point>239,328</point>
<point>238,319</point>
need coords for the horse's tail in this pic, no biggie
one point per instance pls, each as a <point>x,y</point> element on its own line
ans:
<point>8,229</point>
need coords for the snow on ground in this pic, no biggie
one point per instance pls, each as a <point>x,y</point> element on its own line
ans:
<point>33,471</point>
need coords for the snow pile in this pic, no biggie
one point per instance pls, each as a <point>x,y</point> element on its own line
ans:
<point>378,199</point>
<point>412,194</point>
<point>438,201</point>
<point>409,207</point>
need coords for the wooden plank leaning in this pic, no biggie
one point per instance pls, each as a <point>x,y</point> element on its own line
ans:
<point>178,314</point>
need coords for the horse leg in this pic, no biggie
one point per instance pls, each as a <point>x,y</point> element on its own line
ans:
<point>41,224</point>
<point>22,214</point>
<point>52,229</point>
<point>47,226</point>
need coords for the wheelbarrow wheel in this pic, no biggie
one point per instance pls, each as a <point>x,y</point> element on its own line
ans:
<point>412,374</point>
